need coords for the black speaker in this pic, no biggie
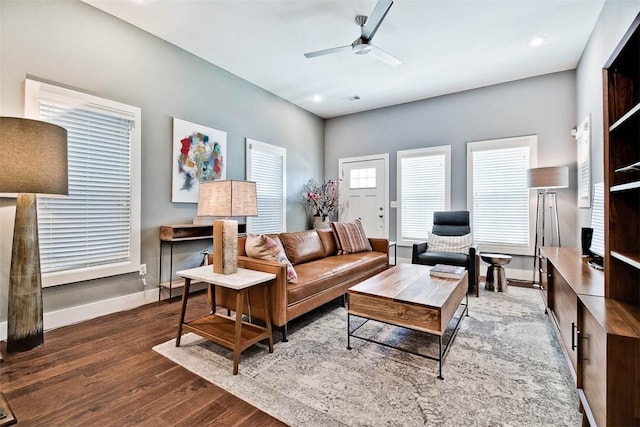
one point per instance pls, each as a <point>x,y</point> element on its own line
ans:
<point>587,235</point>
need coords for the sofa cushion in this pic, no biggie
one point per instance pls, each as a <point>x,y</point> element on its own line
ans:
<point>457,244</point>
<point>317,276</point>
<point>264,247</point>
<point>351,237</point>
<point>448,258</point>
<point>328,240</point>
<point>302,246</point>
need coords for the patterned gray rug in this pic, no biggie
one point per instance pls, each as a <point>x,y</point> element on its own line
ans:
<point>504,368</point>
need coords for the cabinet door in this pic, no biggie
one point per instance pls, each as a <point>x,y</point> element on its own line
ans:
<point>543,279</point>
<point>593,366</point>
<point>565,309</point>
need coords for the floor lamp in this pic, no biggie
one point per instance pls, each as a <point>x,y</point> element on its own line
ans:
<point>546,179</point>
<point>33,162</point>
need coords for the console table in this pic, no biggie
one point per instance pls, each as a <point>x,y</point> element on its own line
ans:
<point>599,336</point>
<point>175,233</point>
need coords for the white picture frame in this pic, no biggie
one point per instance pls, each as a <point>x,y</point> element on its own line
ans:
<point>198,154</point>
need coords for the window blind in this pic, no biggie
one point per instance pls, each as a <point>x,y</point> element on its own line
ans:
<point>266,165</point>
<point>500,196</point>
<point>423,190</point>
<point>90,227</point>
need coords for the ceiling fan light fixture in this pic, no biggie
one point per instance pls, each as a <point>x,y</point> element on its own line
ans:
<point>360,47</point>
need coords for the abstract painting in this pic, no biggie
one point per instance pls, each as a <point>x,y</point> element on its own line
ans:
<point>198,155</point>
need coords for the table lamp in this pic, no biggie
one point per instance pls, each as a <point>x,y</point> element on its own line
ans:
<point>33,162</point>
<point>226,198</point>
<point>545,179</point>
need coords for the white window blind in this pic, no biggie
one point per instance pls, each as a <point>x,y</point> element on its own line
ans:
<point>500,199</point>
<point>266,165</point>
<point>597,220</point>
<point>94,232</point>
<point>424,184</point>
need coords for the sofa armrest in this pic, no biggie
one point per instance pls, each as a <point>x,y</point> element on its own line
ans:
<point>418,248</point>
<point>278,291</point>
<point>379,245</point>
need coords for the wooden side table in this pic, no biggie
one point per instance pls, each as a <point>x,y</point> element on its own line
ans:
<point>226,331</point>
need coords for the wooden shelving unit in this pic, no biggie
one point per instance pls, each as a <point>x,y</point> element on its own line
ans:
<point>597,314</point>
<point>609,345</point>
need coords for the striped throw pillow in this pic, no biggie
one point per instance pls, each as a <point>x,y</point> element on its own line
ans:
<point>456,244</point>
<point>350,237</point>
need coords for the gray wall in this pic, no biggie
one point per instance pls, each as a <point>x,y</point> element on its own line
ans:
<point>543,105</point>
<point>77,46</point>
<point>614,20</point>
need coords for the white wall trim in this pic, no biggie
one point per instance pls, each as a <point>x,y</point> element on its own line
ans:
<point>81,313</point>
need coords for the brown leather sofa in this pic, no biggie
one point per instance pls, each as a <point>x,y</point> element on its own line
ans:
<point>322,274</point>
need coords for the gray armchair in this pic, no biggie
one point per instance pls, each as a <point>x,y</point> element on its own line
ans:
<point>450,223</point>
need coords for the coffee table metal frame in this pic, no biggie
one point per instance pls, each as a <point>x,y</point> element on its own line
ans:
<point>442,352</point>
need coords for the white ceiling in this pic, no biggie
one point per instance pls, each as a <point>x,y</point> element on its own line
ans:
<point>446,45</point>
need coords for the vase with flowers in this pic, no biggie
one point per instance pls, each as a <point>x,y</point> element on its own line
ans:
<point>322,199</point>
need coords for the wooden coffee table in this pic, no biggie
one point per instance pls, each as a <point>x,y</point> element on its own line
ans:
<point>407,296</point>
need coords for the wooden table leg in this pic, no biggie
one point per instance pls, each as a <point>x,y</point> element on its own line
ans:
<point>267,315</point>
<point>185,296</point>
<point>237,347</point>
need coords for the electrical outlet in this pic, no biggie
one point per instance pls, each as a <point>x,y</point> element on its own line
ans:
<point>143,269</point>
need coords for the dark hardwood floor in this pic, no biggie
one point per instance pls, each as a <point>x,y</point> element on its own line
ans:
<point>104,372</point>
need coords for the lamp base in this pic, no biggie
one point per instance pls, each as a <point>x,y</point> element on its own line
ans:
<point>24,314</point>
<point>225,246</point>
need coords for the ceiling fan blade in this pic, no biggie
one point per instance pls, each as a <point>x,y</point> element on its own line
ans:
<point>327,51</point>
<point>376,18</point>
<point>384,56</point>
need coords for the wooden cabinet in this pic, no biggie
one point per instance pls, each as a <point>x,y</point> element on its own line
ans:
<point>609,373</point>
<point>565,313</point>
<point>543,279</point>
<point>598,314</point>
<point>610,353</point>
<point>569,277</point>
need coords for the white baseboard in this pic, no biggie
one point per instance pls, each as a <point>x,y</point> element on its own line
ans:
<point>81,313</point>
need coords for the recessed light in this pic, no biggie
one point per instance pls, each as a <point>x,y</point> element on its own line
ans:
<point>317,98</point>
<point>538,41</point>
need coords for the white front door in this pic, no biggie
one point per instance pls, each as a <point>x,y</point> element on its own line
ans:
<point>364,193</point>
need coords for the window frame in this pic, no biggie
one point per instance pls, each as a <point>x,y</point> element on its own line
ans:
<point>278,151</point>
<point>34,91</point>
<point>530,141</point>
<point>421,152</point>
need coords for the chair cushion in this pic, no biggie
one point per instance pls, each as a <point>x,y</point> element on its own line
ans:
<point>449,258</point>
<point>451,223</point>
<point>456,244</point>
<point>351,237</point>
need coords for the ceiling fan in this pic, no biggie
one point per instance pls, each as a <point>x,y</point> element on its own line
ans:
<point>362,45</point>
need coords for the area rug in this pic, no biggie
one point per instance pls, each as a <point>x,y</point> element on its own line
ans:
<point>504,368</point>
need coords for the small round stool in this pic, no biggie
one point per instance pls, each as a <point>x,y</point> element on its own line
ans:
<point>496,279</point>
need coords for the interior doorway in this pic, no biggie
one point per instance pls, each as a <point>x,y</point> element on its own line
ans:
<point>364,192</point>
